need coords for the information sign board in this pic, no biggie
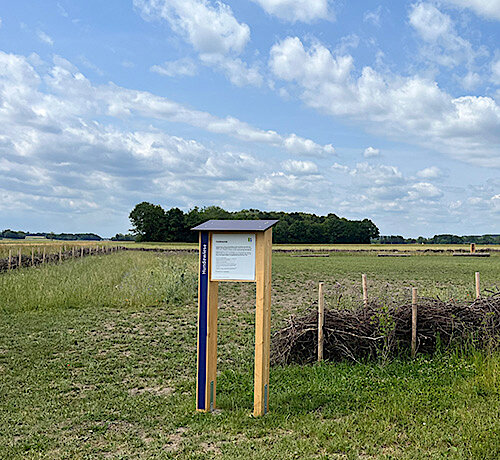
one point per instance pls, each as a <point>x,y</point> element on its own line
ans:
<point>233,256</point>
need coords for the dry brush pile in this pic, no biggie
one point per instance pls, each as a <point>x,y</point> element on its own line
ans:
<point>382,329</point>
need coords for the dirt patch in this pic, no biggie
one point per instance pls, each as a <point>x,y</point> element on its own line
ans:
<point>157,391</point>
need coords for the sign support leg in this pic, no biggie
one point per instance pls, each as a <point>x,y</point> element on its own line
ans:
<point>262,322</point>
<point>207,330</point>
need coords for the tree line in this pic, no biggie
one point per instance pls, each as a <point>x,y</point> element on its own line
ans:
<point>20,235</point>
<point>152,223</point>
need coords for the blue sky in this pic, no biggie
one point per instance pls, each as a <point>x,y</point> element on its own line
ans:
<point>377,109</point>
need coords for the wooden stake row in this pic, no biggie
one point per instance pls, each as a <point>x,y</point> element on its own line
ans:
<point>414,313</point>
<point>91,251</point>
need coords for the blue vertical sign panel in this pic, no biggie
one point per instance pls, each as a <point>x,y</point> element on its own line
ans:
<point>202,322</point>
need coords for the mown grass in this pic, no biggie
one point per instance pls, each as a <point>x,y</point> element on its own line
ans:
<point>103,365</point>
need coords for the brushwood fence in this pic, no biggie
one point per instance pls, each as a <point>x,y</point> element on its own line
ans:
<point>35,256</point>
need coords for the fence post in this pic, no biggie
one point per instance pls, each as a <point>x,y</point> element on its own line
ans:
<point>478,286</point>
<point>43,256</point>
<point>60,254</point>
<point>321,321</point>
<point>20,258</point>
<point>73,252</point>
<point>32,256</point>
<point>413,322</point>
<point>472,248</point>
<point>365,289</point>
<point>9,265</point>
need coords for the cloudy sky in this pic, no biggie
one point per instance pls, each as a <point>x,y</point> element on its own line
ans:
<point>380,109</point>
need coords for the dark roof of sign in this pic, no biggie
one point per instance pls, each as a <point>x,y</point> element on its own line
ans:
<point>236,225</point>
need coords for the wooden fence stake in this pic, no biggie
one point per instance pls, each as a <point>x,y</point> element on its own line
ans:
<point>20,258</point>
<point>472,248</point>
<point>73,252</point>
<point>9,265</point>
<point>413,322</point>
<point>81,251</point>
<point>478,286</point>
<point>365,289</point>
<point>60,255</point>
<point>321,321</point>
<point>43,256</point>
<point>32,257</point>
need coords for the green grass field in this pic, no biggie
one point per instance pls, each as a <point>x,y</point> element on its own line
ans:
<point>98,360</point>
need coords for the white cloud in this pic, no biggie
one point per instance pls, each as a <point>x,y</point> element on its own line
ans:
<point>413,109</point>
<point>237,71</point>
<point>184,67</point>
<point>74,96</point>
<point>300,146</point>
<point>443,44</point>
<point>297,10</point>
<point>339,167</point>
<point>371,152</point>
<point>300,167</point>
<point>211,29</point>
<point>424,190</point>
<point>432,172</point>
<point>471,81</point>
<point>373,16</point>
<point>489,9</point>
<point>495,72</point>
<point>44,38</point>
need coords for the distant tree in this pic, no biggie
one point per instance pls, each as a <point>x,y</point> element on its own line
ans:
<point>122,237</point>
<point>13,234</point>
<point>149,222</point>
<point>175,225</point>
<point>152,223</point>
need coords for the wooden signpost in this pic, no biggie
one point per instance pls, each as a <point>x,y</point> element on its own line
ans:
<point>233,250</point>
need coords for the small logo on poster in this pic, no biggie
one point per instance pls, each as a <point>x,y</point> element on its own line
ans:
<point>249,239</point>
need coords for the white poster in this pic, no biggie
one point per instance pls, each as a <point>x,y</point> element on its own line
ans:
<point>233,256</point>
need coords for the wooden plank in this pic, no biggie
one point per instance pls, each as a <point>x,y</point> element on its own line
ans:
<point>263,254</point>
<point>413,322</point>
<point>321,320</point>
<point>213,287</point>
<point>478,286</point>
<point>475,254</point>
<point>365,289</point>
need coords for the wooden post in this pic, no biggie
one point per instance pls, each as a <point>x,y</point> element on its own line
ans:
<point>206,381</point>
<point>478,286</point>
<point>20,259</point>
<point>32,256</point>
<point>413,322</point>
<point>365,289</point>
<point>472,248</point>
<point>321,320</point>
<point>81,251</point>
<point>73,252</point>
<point>263,250</point>
<point>43,256</point>
<point>60,254</point>
<point>9,264</point>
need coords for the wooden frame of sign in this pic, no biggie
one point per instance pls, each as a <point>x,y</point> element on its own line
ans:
<point>233,250</point>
